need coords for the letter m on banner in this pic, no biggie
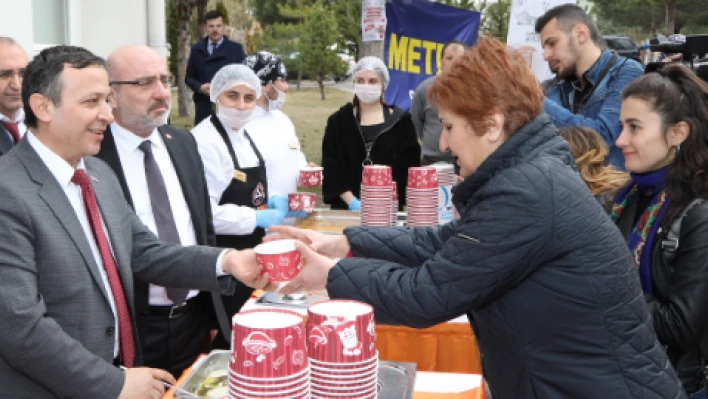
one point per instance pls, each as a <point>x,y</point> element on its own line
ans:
<point>415,34</point>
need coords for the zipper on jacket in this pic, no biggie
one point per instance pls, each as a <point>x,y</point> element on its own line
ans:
<point>371,147</point>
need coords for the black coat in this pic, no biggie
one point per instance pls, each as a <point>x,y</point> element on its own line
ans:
<point>543,274</point>
<point>190,171</point>
<point>344,151</point>
<point>679,303</point>
<point>201,68</point>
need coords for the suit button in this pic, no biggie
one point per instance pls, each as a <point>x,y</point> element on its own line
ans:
<point>110,331</point>
<point>144,314</point>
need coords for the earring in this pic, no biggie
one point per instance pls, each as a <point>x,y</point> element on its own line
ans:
<point>677,147</point>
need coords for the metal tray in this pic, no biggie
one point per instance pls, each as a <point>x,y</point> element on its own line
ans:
<point>396,379</point>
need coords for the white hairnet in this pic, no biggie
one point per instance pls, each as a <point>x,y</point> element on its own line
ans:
<point>373,64</point>
<point>234,75</point>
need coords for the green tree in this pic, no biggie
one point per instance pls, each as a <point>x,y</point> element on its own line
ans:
<point>497,19</point>
<point>650,16</point>
<point>317,56</point>
<point>220,6</point>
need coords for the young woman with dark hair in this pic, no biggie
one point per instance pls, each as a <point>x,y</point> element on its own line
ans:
<point>664,140</point>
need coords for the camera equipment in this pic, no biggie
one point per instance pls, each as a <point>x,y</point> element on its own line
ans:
<point>693,51</point>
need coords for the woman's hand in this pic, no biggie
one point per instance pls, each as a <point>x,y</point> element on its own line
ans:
<point>333,246</point>
<point>313,275</point>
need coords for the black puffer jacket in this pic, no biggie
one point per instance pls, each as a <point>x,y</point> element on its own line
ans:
<point>344,152</point>
<point>541,271</point>
<point>679,304</point>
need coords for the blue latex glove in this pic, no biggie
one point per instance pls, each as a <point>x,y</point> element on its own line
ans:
<point>278,202</point>
<point>355,204</point>
<point>269,217</point>
<point>297,214</point>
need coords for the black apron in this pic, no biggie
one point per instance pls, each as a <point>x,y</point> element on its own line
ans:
<point>249,187</point>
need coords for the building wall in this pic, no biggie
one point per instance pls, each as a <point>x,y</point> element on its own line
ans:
<point>107,25</point>
<point>98,25</point>
<point>17,22</point>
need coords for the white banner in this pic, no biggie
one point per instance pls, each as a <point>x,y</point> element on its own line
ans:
<point>522,34</point>
<point>373,20</point>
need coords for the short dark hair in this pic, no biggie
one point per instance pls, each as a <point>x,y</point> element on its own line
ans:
<point>568,16</point>
<point>213,14</point>
<point>450,43</point>
<point>43,74</point>
<point>676,94</point>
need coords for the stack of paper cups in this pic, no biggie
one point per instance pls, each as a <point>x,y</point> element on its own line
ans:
<point>446,179</point>
<point>422,196</point>
<point>376,195</point>
<point>394,205</point>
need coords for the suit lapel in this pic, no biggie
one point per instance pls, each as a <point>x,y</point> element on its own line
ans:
<point>55,198</point>
<point>113,222</point>
<point>109,153</point>
<point>6,142</point>
<point>176,150</point>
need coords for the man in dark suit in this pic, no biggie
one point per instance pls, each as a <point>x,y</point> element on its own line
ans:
<point>207,56</point>
<point>70,244</point>
<point>13,61</point>
<point>173,331</point>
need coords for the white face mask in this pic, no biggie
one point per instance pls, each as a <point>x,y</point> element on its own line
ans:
<point>367,93</point>
<point>278,102</point>
<point>234,118</point>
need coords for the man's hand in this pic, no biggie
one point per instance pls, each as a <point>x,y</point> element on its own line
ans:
<point>313,275</point>
<point>244,267</point>
<point>333,246</point>
<point>145,383</point>
<point>204,89</point>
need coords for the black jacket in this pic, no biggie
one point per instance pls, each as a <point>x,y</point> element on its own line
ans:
<point>201,67</point>
<point>543,274</point>
<point>190,171</point>
<point>679,304</point>
<point>344,152</point>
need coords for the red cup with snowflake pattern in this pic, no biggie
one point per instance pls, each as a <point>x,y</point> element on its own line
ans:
<point>341,332</point>
<point>268,344</point>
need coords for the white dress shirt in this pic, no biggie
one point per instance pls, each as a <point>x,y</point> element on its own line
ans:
<point>63,172</point>
<point>274,135</point>
<point>132,160</point>
<point>229,219</point>
<point>19,119</point>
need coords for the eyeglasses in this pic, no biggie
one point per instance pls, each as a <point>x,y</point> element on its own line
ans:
<point>148,82</point>
<point>6,74</point>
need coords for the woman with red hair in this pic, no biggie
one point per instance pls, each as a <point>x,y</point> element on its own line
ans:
<point>543,275</point>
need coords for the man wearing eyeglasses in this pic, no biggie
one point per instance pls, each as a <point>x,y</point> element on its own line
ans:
<point>13,61</point>
<point>162,178</point>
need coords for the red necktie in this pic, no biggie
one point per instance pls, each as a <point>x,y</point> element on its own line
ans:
<point>14,131</point>
<point>127,345</point>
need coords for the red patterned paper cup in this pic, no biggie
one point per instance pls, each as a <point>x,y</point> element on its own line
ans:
<point>376,175</point>
<point>422,177</point>
<point>345,385</point>
<point>341,331</point>
<point>271,384</point>
<point>295,393</point>
<point>326,394</point>
<point>263,391</point>
<point>286,380</point>
<point>268,343</point>
<point>280,259</point>
<point>311,176</point>
<point>302,201</point>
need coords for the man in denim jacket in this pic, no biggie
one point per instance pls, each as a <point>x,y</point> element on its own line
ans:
<point>587,90</point>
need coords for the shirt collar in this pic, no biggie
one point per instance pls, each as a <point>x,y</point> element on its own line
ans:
<point>58,166</point>
<point>19,117</point>
<point>130,141</point>
<point>217,43</point>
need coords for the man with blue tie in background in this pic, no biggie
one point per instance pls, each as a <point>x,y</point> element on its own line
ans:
<point>207,56</point>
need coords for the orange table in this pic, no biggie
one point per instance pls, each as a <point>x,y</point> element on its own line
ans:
<point>475,393</point>
<point>448,347</point>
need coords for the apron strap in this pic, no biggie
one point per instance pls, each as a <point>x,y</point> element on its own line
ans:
<point>225,136</point>
<point>255,149</point>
